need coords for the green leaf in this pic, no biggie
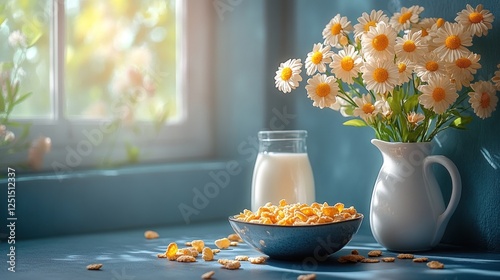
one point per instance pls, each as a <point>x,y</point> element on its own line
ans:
<point>22,98</point>
<point>411,104</point>
<point>461,122</point>
<point>355,122</point>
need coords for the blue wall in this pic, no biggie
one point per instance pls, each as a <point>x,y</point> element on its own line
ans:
<point>346,164</point>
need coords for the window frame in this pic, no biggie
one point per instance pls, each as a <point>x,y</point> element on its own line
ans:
<point>188,137</point>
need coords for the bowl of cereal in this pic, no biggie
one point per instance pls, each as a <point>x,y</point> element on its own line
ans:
<point>297,231</point>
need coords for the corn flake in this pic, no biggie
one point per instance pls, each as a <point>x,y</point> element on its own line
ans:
<point>285,214</point>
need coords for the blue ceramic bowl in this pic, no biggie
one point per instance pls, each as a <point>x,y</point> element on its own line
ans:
<point>297,242</point>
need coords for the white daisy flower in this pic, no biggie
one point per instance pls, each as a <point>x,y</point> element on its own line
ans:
<point>410,46</point>
<point>405,70</point>
<point>438,94</point>
<point>380,76</point>
<point>430,67</point>
<point>477,20</point>
<point>383,106</point>
<point>379,42</point>
<point>496,78</point>
<point>369,20</point>
<point>335,29</point>
<point>322,90</point>
<point>415,118</point>
<point>17,39</point>
<point>463,69</point>
<point>317,59</point>
<point>288,75</point>
<point>425,26</point>
<point>346,64</point>
<point>365,108</point>
<point>406,17</point>
<point>483,99</point>
<point>451,41</point>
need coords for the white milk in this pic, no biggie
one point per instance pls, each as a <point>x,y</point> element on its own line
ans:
<point>282,176</point>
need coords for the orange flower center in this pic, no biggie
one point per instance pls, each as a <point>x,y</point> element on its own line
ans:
<point>463,62</point>
<point>368,108</point>
<point>286,73</point>
<point>369,24</point>
<point>323,89</point>
<point>317,57</point>
<point>453,42</point>
<point>485,100</point>
<point>401,67</point>
<point>405,17</point>
<point>432,66</point>
<point>424,32</point>
<point>380,75</point>
<point>381,42</point>
<point>336,28</point>
<point>347,63</point>
<point>475,17</point>
<point>438,94</point>
<point>440,22</point>
<point>409,46</point>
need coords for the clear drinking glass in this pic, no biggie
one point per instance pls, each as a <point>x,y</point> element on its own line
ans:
<point>282,169</point>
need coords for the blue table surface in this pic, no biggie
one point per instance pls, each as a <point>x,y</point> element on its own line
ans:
<point>127,255</point>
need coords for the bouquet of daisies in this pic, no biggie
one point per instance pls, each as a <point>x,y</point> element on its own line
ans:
<point>407,77</point>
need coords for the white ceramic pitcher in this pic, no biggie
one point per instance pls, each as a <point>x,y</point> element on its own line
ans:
<point>407,211</point>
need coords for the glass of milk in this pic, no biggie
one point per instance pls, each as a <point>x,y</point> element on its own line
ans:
<point>282,169</point>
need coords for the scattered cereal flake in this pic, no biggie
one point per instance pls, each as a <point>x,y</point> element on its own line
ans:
<point>188,243</point>
<point>232,265</point>
<point>161,255</point>
<point>172,251</point>
<point>307,277</point>
<point>420,260</point>
<point>405,256</point>
<point>94,266</point>
<point>216,251</point>
<point>354,252</point>
<point>208,275</point>
<point>187,251</point>
<point>222,243</point>
<point>257,260</point>
<point>234,237</point>
<point>370,260</point>
<point>207,254</point>
<point>388,259</point>
<point>350,258</point>
<point>233,243</point>
<point>435,265</point>
<point>375,253</point>
<point>241,258</point>
<point>186,258</point>
<point>198,245</point>
<point>149,234</point>
<point>223,261</point>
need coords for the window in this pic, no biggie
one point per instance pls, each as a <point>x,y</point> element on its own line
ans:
<point>108,79</point>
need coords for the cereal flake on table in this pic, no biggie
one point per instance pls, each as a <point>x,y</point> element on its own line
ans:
<point>311,276</point>
<point>208,275</point>
<point>435,265</point>
<point>94,266</point>
<point>150,234</point>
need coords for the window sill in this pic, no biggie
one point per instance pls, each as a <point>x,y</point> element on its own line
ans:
<point>128,197</point>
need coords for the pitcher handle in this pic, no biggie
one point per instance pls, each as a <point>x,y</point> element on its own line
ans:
<point>456,191</point>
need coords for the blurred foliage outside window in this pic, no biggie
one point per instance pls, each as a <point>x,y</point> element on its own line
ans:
<point>119,63</point>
